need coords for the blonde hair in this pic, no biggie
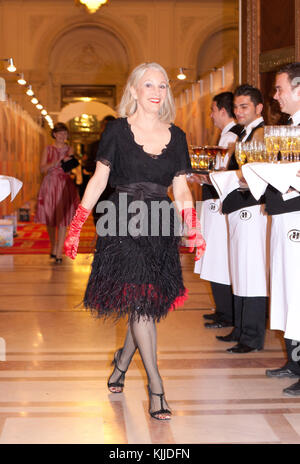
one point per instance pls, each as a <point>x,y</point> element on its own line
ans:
<point>128,104</point>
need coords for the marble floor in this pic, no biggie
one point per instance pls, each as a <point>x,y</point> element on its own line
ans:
<point>55,360</point>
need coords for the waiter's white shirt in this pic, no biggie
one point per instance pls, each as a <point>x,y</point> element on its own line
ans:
<point>214,265</point>
<point>251,126</point>
<point>296,118</point>
<point>226,138</point>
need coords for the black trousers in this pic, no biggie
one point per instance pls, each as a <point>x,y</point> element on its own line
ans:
<point>224,301</point>
<point>293,355</point>
<point>250,320</point>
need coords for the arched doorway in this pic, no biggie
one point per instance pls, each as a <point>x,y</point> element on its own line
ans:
<point>86,121</point>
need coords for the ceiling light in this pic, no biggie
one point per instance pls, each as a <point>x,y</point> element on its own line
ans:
<point>92,5</point>
<point>30,91</point>
<point>11,67</point>
<point>21,79</point>
<point>34,101</point>
<point>181,76</point>
<point>44,112</point>
<point>39,106</point>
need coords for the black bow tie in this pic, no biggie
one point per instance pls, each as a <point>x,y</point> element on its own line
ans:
<point>290,121</point>
<point>242,134</point>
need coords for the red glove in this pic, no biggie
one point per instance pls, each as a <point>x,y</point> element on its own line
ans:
<point>195,238</point>
<point>72,240</point>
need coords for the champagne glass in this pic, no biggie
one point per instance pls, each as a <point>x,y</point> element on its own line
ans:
<point>240,154</point>
<point>251,151</point>
<point>271,138</point>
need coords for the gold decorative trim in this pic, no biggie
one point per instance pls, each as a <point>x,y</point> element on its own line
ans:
<point>271,60</point>
<point>253,46</point>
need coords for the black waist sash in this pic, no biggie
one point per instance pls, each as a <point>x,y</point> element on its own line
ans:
<point>144,190</point>
<point>141,191</point>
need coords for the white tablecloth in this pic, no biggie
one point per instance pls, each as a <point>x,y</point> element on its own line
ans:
<point>226,182</point>
<point>9,186</point>
<point>281,176</point>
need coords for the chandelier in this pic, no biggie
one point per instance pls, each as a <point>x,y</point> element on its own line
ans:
<point>91,5</point>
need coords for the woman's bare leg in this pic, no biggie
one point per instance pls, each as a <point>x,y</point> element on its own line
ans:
<point>52,235</point>
<point>61,235</point>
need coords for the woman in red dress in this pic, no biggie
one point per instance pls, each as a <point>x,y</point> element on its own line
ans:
<point>58,197</point>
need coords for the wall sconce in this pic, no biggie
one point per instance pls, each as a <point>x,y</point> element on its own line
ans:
<point>30,91</point>
<point>211,82</point>
<point>10,67</point>
<point>181,76</point>
<point>200,82</point>
<point>21,79</point>
<point>187,96</point>
<point>2,89</point>
<point>223,75</point>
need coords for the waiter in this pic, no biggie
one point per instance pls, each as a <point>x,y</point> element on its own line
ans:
<point>247,223</point>
<point>285,244</point>
<point>214,265</point>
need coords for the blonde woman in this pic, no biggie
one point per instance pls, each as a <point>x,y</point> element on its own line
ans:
<point>137,273</point>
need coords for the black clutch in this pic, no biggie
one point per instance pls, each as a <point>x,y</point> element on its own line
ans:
<point>70,164</point>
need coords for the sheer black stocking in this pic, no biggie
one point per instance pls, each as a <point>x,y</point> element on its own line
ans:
<point>141,334</point>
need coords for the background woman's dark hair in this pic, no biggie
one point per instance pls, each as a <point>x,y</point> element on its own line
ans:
<point>59,127</point>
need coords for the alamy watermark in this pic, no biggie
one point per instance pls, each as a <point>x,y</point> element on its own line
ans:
<point>2,349</point>
<point>139,218</point>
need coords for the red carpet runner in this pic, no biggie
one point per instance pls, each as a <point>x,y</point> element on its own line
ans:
<point>33,239</point>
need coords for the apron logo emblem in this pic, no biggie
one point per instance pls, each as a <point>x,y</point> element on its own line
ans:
<point>245,215</point>
<point>213,208</point>
<point>294,235</point>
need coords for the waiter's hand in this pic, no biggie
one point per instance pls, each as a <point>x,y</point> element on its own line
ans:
<point>199,178</point>
<point>67,158</point>
<point>243,182</point>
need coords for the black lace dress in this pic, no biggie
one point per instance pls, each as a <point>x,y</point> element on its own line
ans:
<point>136,271</point>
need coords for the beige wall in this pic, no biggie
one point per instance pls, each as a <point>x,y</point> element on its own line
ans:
<point>194,103</point>
<point>55,42</point>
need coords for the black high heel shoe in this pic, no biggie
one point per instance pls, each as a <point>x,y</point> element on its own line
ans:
<point>52,255</point>
<point>120,380</point>
<point>58,260</point>
<point>162,410</point>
